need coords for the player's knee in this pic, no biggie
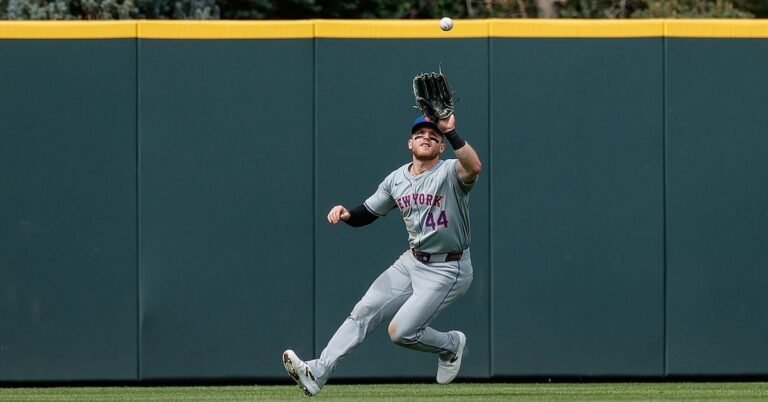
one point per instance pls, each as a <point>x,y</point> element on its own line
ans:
<point>400,336</point>
<point>394,335</point>
<point>360,311</point>
<point>392,330</point>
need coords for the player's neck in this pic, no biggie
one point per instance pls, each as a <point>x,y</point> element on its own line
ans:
<point>420,166</point>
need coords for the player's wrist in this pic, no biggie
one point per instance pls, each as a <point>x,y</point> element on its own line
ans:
<point>454,139</point>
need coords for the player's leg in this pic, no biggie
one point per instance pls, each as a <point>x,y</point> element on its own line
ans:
<point>435,287</point>
<point>380,303</point>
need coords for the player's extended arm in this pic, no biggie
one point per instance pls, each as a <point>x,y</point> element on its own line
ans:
<point>358,216</point>
<point>469,165</point>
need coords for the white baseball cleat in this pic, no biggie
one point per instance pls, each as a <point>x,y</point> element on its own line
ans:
<point>300,372</point>
<point>448,369</point>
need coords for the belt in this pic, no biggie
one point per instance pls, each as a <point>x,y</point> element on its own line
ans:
<point>445,257</point>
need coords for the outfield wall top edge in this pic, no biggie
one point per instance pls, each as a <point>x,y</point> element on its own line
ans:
<point>383,29</point>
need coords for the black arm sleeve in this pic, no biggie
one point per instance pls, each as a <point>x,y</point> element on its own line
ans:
<point>360,216</point>
<point>455,139</point>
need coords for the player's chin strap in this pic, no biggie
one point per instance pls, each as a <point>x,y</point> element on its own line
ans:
<point>455,139</point>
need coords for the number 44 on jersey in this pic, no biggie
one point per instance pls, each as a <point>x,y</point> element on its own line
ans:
<point>442,220</point>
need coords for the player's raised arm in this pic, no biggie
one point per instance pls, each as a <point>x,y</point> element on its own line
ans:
<point>469,165</point>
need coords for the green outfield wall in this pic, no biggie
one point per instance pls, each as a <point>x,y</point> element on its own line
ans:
<point>164,187</point>
<point>68,210</point>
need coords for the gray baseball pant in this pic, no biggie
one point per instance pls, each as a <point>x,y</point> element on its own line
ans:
<point>410,294</point>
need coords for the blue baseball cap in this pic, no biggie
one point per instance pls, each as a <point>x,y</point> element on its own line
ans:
<point>422,121</point>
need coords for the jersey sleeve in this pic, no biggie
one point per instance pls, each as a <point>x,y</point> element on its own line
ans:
<point>381,202</point>
<point>454,174</point>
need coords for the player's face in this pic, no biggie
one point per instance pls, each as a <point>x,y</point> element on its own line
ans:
<point>426,144</point>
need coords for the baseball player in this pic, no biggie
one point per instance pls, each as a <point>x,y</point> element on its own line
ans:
<point>432,196</point>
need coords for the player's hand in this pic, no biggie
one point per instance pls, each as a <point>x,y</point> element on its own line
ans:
<point>447,124</point>
<point>338,213</point>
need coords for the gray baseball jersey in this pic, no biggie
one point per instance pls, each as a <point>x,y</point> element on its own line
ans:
<point>434,206</point>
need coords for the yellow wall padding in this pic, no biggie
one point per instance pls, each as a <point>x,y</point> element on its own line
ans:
<point>384,29</point>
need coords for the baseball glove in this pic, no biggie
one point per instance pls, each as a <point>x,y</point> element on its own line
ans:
<point>433,95</point>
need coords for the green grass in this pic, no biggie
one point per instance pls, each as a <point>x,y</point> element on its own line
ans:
<point>728,391</point>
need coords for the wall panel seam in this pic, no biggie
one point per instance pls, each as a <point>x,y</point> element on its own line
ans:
<point>138,212</point>
<point>314,191</point>
<point>664,201</point>
<point>489,169</point>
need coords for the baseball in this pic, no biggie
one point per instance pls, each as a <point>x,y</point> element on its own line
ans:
<point>446,24</point>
